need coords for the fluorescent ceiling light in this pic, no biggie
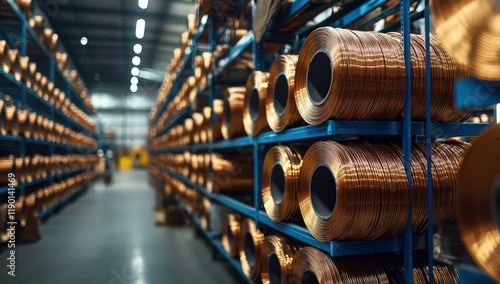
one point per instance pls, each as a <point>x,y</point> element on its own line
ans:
<point>133,88</point>
<point>134,81</point>
<point>135,71</point>
<point>137,48</point>
<point>136,60</point>
<point>143,4</point>
<point>84,41</point>
<point>140,28</point>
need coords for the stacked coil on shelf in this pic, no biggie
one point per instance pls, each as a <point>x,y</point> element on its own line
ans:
<point>254,111</point>
<point>231,235</point>
<point>251,243</point>
<point>276,259</point>
<point>232,125</point>
<point>230,174</point>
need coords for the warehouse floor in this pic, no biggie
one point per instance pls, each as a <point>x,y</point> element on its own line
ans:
<point>108,236</point>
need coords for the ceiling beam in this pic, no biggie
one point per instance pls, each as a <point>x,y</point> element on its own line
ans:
<point>107,27</point>
<point>75,39</point>
<point>148,14</point>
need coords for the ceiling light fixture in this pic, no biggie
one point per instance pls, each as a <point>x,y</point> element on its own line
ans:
<point>143,4</point>
<point>135,71</point>
<point>140,28</point>
<point>136,60</point>
<point>84,41</point>
<point>137,48</point>
<point>133,88</point>
<point>134,81</point>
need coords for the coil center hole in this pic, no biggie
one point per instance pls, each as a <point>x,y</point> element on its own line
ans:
<point>254,104</point>
<point>277,184</point>
<point>495,208</point>
<point>274,269</point>
<point>323,191</point>
<point>319,77</point>
<point>280,95</point>
<point>249,249</point>
<point>308,277</point>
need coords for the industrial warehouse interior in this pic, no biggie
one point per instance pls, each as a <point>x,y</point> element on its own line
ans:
<point>250,141</point>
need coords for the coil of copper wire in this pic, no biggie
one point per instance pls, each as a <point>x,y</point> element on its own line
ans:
<point>281,109</point>
<point>24,62</point>
<point>231,235</point>
<point>21,211</point>
<point>14,67</point>
<point>349,75</point>
<point>368,197</point>
<point>232,124</point>
<point>4,233</point>
<point>25,6</point>
<point>215,131</point>
<point>22,118</point>
<point>254,110</point>
<point>280,183</point>
<point>311,265</point>
<point>230,174</point>
<point>6,167</point>
<point>478,208</point>
<point>470,31</point>
<point>10,122</point>
<point>4,56</point>
<point>277,256</point>
<point>251,240</point>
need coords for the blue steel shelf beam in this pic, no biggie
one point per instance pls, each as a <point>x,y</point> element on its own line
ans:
<point>236,51</point>
<point>476,93</point>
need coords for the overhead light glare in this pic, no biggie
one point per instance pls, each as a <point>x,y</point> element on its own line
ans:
<point>136,60</point>
<point>134,81</point>
<point>137,48</point>
<point>133,88</point>
<point>140,28</point>
<point>135,71</point>
<point>84,41</point>
<point>143,4</point>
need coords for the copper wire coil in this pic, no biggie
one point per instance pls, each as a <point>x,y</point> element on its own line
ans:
<point>4,56</point>
<point>10,123</point>
<point>26,175</point>
<point>25,7</point>
<point>230,175</point>
<point>350,75</point>
<point>251,240</point>
<point>232,124</point>
<point>280,183</point>
<point>281,109</point>
<point>3,118</point>
<point>4,233</point>
<point>473,40</point>
<point>215,131</point>
<point>24,62</point>
<point>21,211</point>
<point>311,265</point>
<point>23,127</point>
<point>14,67</point>
<point>368,198</point>
<point>231,235</point>
<point>36,23</point>
<point>32,118</point>
<point>254,111</point>
<point>31,204</point>
<point>478,207</point>
<point>40,197</point>
<point>198,123</point>
<point>207,115</point>
<point>277,256</point>
<point>32,69</point>
<point>6,167</point>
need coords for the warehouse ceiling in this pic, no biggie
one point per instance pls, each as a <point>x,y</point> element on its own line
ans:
<point>110,29</point>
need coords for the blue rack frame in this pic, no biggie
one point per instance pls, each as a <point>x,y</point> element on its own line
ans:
<point>407,130</point>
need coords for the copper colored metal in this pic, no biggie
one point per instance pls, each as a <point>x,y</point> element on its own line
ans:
<point>6,167</point>
<point>23,123</point>
<point>32,128</point>
<point>215,131</point>
<point>280,183</point>
<point>4,233</point>
<point>25,7</point>
<point>10,117</point>
<point>281,109</point>
<point>32,75</point>
<point>251,240</point>
<point>230,174</point>
<point>276,260</point>
<point>4,56</point>
<point>254,110</point>
<point>14,67</point>
<point>232,125</point>
<point>21,211</point>
<point>478,211</point>
<point>24,62</point>
<point>231,235</point>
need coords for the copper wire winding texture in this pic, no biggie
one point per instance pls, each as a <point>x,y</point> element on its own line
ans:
<point>478,208</point>
<point>232,125</point>
<point>352,75</point>
<point>470,31</point>
<point>360,190</point>
<point>230,174</point>
<point>281,109</point>
<point>280,183</point>
<point>231,235</point>
<point>254,110</point>
<point>250,249</point>
<point>277,256</point>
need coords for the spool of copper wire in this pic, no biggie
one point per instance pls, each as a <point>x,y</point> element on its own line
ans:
<point>311,265</point>
<point>280,183</point>
<point>14,67</point>
<point>350,75</point>
<point>24,62</point>
<point>10,121</point>
<point>232,124</point>
<point>215,130</point>
<point>25,7</point>
<point>23,127</point>
<point>230,174</point>
<point>4,233</point>
<point>21,211</point>
<point>471,33</point>
<point>4,56</point>
<point>478,210</point>
<point>231,235</point>
<point>32,75</point>
<point>250,249</point>
<point>277,256</point>
<point>6,167</point>
<point>32,125</point>
<point>207,118</point>
<point>254,111</point>
<point>281,109</point>
<point>368,196</point>
<point>198,123</point>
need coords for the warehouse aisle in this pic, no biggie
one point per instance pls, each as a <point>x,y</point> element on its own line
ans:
<point>108,236</point>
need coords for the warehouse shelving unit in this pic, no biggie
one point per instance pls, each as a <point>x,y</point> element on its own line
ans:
<point>16,30</point>
<point>405,131</point>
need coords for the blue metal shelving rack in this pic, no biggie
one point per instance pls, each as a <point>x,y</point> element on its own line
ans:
<point>14,28</point>
<point>405,131</point>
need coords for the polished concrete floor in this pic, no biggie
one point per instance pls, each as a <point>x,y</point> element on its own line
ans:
<point>108,236</point>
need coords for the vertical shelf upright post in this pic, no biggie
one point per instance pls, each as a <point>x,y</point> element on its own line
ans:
<point>408,239</point>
